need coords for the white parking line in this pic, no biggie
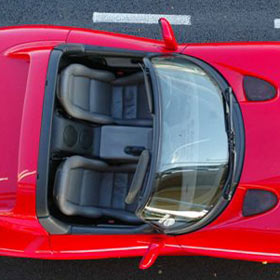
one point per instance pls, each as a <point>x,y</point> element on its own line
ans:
<point>277,23</point>
<point>140,18</point>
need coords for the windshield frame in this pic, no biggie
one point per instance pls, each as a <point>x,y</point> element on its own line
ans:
<point>149,190</point>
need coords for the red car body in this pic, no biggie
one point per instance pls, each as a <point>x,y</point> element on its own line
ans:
<point>24,59</point>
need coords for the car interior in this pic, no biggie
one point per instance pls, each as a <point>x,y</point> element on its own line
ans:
<point>101,140</point>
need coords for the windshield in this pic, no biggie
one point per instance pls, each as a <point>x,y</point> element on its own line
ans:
<point>193,150</point>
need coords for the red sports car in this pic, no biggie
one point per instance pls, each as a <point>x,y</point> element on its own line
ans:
<point>119,146</point>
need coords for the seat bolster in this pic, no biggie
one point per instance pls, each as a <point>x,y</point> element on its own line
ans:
<point>78,161</point>
<point>66,91</point>
<point>87,211</point>
<point>63,182</point>
<point>81,114</point>
<point>83,71</point>
<point>133,79</point>
<point>67,75</point>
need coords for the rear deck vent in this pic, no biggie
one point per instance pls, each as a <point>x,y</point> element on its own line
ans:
<point>257,89</point>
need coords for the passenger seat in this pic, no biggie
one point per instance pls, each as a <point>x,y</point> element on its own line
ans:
<point>97,96</point>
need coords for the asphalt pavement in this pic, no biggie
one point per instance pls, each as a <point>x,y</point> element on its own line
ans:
<point>211,21</point>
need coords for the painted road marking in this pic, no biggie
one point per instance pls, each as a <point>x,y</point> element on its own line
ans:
<point>277,23</point>
<point>140,18</point>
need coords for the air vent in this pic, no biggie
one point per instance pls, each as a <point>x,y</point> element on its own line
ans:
<point>258,201</point>
<point>257,89</point>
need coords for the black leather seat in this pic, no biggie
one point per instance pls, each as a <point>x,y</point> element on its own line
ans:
<point>97,96</point>
<point>92,188</point>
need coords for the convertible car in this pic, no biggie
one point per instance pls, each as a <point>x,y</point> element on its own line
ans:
<point>119,146</point>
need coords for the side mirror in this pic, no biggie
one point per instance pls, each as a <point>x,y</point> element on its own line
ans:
<point>151,254</point>
<point>168,34</point>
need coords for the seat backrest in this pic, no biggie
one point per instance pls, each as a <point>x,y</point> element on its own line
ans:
<point>92,188</point>
<point>97,96</point>
<point>86,93</point>
<point>129,101</point>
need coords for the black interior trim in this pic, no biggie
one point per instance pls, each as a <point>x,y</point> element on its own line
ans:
<point>51,224</point>
<point>45,137</point>
<point>117,229</point>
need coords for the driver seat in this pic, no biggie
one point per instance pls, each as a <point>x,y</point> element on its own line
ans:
<point>92,188</point>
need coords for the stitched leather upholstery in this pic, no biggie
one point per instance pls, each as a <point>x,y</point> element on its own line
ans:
<point>92,188</point>
<point>97,96</point>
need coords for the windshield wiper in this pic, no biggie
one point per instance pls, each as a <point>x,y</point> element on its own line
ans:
<point>228,96</point>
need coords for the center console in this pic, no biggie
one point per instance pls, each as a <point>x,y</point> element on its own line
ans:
<point>114,143</point>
